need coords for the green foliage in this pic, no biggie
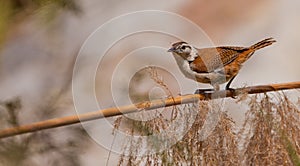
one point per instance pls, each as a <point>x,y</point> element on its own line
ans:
<point>5,14</point>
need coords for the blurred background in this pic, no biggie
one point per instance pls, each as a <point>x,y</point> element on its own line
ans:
<point>40,40</point>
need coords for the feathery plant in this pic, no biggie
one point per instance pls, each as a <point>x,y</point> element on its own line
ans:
<point>270,134</point>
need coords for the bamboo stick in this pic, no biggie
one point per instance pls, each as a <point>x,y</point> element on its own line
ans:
<point>109,112</point>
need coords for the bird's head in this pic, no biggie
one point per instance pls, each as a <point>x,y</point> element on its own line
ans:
<point>183,49</point>
<point>180,48</point>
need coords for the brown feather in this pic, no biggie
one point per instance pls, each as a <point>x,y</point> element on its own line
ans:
<point>221,63</point>
<point>211,59</point>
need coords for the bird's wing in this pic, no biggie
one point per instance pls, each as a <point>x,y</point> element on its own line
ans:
<point>212,59</point>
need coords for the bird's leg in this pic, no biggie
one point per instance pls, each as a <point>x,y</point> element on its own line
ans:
<point>228,84</point>
<point>205,91</point>
<point>231,89</point>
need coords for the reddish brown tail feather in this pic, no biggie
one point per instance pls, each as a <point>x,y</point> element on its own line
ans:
<point>263,43</point>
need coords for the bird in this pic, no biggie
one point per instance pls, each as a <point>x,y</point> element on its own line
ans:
<point>214,65</point>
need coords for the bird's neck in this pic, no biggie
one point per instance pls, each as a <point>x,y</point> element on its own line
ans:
<point>184,66</point>
<point>193,55</point>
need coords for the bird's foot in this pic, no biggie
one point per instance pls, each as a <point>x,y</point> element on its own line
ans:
<point>232,91</point>
<point>204,91</point>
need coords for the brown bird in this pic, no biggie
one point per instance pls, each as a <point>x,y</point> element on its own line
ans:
<point>216,65</point>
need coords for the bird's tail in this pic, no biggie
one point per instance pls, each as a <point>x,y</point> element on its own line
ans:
<point>263,43</point>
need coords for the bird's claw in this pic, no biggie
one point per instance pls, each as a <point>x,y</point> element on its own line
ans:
<point>204,91</point>
<point>233,92</point>
<point>211,91</point>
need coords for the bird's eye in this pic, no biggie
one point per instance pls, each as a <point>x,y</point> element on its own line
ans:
<point>183,47</point>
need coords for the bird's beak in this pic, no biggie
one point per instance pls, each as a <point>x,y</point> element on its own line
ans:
<point>171,50</point>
